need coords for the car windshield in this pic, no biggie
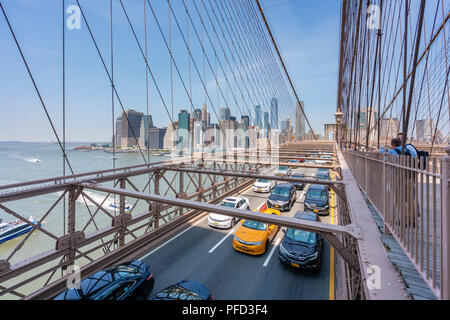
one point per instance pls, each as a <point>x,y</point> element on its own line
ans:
<point>300,235</point>
<point>281,192</point>
<point>228,204</point>
<point>263,180</point>
<point>282,168</point>
<point>254,225</point>
<point>317,194</point>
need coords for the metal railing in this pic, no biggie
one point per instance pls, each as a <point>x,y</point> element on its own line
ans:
<point>412,197</point>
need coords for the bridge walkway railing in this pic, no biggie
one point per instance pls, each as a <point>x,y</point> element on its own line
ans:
<point>412,198</point>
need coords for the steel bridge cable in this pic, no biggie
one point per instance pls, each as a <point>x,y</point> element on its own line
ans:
<point>237,67</point>
<point>418,62</point>
<point>265,60</point>
<point>170,53</point>
<point>284,67</point>
<point>215,53</point>
<point>258,57</point>
<point>249,43</point>
<point>195,65</point>
<point>110,79</point>
<point>275,70</point>
<point>36,88</point>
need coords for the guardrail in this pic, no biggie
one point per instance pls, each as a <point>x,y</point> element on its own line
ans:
<point>414,204</point>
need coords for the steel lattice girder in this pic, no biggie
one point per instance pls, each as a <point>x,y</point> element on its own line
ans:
<point>327,230</point>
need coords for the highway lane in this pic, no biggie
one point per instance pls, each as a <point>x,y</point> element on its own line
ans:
<point>204,254</point>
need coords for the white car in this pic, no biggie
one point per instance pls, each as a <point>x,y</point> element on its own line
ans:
<point>282,171</point>
<point>264,185</point>
<point>225,222</point>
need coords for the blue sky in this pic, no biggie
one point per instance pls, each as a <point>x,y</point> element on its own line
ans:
<point>307,33</point>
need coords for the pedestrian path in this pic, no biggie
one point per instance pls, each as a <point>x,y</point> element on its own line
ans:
<point>415,285</point>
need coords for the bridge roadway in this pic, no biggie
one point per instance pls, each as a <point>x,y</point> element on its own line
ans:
<point>204,254</point>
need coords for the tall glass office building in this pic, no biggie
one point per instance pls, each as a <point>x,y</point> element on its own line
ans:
<point>183,127</point>
<point>274,113</point>
<point>258,117</point>
<point>266,121</point>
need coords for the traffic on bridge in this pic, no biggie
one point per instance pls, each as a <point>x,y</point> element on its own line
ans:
<point>195,150</point>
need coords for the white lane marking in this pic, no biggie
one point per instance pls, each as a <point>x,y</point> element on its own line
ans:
<point>223,239</point>
<point>168,241</point>
<point>303,193</point>
<point>277,242</point>
<point>198,222</point>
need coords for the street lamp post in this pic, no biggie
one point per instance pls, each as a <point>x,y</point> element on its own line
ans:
<point>338,116</point>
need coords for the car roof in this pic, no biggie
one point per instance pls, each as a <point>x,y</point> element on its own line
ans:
<point>232,199</point>
<point>196,287</point>
<point>316,187</point>
<point>272,211</point>
<point>97,283</point>
<point>306,215</point>
<point>284,185</point>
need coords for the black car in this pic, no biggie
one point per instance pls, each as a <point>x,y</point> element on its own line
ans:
<point>317,199</point>
<point>302,249</point>
<point>282,197</point>
<point>184,290</point>
<point>298,185</point>
<point>130,280</point>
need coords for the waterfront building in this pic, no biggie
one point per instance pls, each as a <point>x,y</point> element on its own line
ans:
<point>118,137</point>
<point>156,138</point>
<point>131,128</point>
<point>183,128</point>
<point>198,133</point>
<point>170,137</point>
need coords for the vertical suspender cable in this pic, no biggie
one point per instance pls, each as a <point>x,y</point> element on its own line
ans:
<point>413,75</point>
<point>112,93</point>
<point>64,102</point>
<point>147,126</point>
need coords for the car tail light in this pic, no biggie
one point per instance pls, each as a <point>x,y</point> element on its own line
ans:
<point>150,276</point>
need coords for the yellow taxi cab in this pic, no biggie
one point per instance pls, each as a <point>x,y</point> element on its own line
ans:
<point>254,237</point>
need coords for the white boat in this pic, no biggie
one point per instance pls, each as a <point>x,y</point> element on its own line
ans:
<point>109,203</point>
<point>15,228</point>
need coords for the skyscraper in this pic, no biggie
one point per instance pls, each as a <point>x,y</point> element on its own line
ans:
<point>183,127</point>
<point>224,113</point>
<point>425,130</point>
<point>197,114</point>
<point>118,138</point>
<point>266,121</point>
<point>148,124</point>
<point>205,114</point>
<point>131,128</point>
<point>273,114</point>
<point>246,120</point>
<point>299,122</point>
<point>156,138</point>
<point>258,117</point>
